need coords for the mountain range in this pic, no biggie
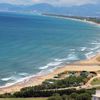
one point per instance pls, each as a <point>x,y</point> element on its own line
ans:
<point>83,10</point>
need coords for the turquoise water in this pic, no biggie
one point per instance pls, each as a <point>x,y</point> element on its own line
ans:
<point>33,44</point>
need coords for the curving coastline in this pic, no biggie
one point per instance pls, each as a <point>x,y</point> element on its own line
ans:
<point>91,64</point>
<point>31,81</point>
<point>90,20</point>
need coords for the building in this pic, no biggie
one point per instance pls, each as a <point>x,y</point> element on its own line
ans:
<point>96,96</point>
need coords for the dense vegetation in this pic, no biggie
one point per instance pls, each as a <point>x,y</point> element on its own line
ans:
<point>30,92</point>
<point>73,96</point>
<point>72,81</point>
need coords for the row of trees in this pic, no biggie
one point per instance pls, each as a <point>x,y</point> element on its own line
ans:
<point>73,96</point>
<point>30,92</point>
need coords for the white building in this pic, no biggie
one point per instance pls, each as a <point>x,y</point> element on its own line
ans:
<point>96,96</point>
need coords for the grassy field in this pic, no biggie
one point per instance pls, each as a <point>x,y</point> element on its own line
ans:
<point>24,99</point>
<point>95,82</point>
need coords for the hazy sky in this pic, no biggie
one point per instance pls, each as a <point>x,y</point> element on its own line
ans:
<point>53,2</point>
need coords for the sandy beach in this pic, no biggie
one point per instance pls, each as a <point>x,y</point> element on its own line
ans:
<point>91,64</point>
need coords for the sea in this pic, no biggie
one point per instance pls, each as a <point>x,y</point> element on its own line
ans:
<point>33,45</point>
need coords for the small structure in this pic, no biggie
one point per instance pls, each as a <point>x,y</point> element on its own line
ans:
<point>96,96</point>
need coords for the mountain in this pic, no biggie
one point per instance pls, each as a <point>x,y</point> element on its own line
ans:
<point>84,10</point>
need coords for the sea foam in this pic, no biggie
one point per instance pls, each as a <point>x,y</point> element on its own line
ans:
<point>51,64</point>
<point>6,79</point>
<point>72,57</point>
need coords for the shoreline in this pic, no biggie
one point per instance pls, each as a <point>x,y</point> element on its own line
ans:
<point>75,19</point>
<point>85,65</point>
<point>38,79</point>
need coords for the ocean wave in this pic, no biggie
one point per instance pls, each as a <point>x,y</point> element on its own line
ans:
<point>16,80</point>
<point>95,43</point>
<point>6,79</point>
<point>51,64</point>
<point>63,59</point>
<point>44,67</point>
<point>98,51</point>
<point>23,74</point>
<point>69,57</point>
<point>95,48</point>
<point>72,57</point>
<point>89,54</point>
<point>83,48</point>
<point>72,49</point>
<point>9,84</point>
<point>57,61</point>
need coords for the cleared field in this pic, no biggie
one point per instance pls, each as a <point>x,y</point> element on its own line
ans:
<point>23,99</point>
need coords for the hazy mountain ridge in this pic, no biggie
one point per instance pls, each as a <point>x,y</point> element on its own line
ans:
<point>84,10</point>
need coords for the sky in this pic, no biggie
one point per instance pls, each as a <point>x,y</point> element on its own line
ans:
<point>52,2</point>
